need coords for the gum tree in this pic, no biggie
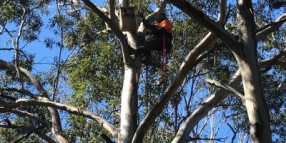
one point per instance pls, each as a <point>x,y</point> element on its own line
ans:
<point>102,74</point>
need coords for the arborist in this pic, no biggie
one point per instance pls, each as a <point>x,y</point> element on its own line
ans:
<point>161,34</point>
<point>160,40</point>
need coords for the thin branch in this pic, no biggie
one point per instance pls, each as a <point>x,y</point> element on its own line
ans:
<point>29,129</point>
<point>271,27</point>
<point>56,80</point>
<point>21,91</point>
<point>226,87</point>
<point>8,97</point>
<point>23,137</point>
<point>25,114</point>
<point>16,44</point>
<point>207,139</point>
<point>231,128</point>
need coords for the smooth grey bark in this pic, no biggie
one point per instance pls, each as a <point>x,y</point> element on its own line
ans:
<point>128,122</point>
<point>246,57</point>
<point>129,95</point>
<point>129,101</point>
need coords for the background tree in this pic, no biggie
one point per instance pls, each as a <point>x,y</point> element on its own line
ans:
<point>112,97</point>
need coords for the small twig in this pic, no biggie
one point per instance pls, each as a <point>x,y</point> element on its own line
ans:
<point>231,128</point>
<point>207,139</point>
<point>21,91</point>
<point>23,137</point>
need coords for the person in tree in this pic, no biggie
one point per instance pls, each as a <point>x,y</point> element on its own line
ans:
<point>160,40</point>
<point>161,36</point>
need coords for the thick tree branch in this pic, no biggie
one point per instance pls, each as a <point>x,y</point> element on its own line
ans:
<point>112,15</point>
<point>202,110</point>
<point>73,110</point>
<point>56,122</point>
<point>181,74</point>
<point>208,23</point>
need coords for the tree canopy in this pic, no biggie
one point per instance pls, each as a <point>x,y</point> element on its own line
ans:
<point>225,75</point>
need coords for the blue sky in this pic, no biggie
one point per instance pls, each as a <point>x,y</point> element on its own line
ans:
<point>45,56</point>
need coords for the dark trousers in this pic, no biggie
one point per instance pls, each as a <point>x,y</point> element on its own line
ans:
<point>155,43</point>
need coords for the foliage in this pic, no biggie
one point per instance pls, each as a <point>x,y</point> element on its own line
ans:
<point>91,75</point>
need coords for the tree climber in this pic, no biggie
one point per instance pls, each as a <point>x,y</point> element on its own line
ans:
<point>160,40</point>
<point>161,33</point>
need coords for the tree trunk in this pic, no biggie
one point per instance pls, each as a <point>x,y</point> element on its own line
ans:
<point>129,105</point>
<point>129,96</point>
<point>246,57</point>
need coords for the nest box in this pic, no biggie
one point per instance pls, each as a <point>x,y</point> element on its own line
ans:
<point>127,18</point>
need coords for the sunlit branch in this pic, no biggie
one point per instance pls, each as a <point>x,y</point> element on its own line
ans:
<point>226,87</point>
<point>70,109</point>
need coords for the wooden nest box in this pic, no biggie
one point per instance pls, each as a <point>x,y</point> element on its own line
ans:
<point>127,18</point>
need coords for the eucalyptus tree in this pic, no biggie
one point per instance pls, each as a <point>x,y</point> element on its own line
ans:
<point>109,86</point>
